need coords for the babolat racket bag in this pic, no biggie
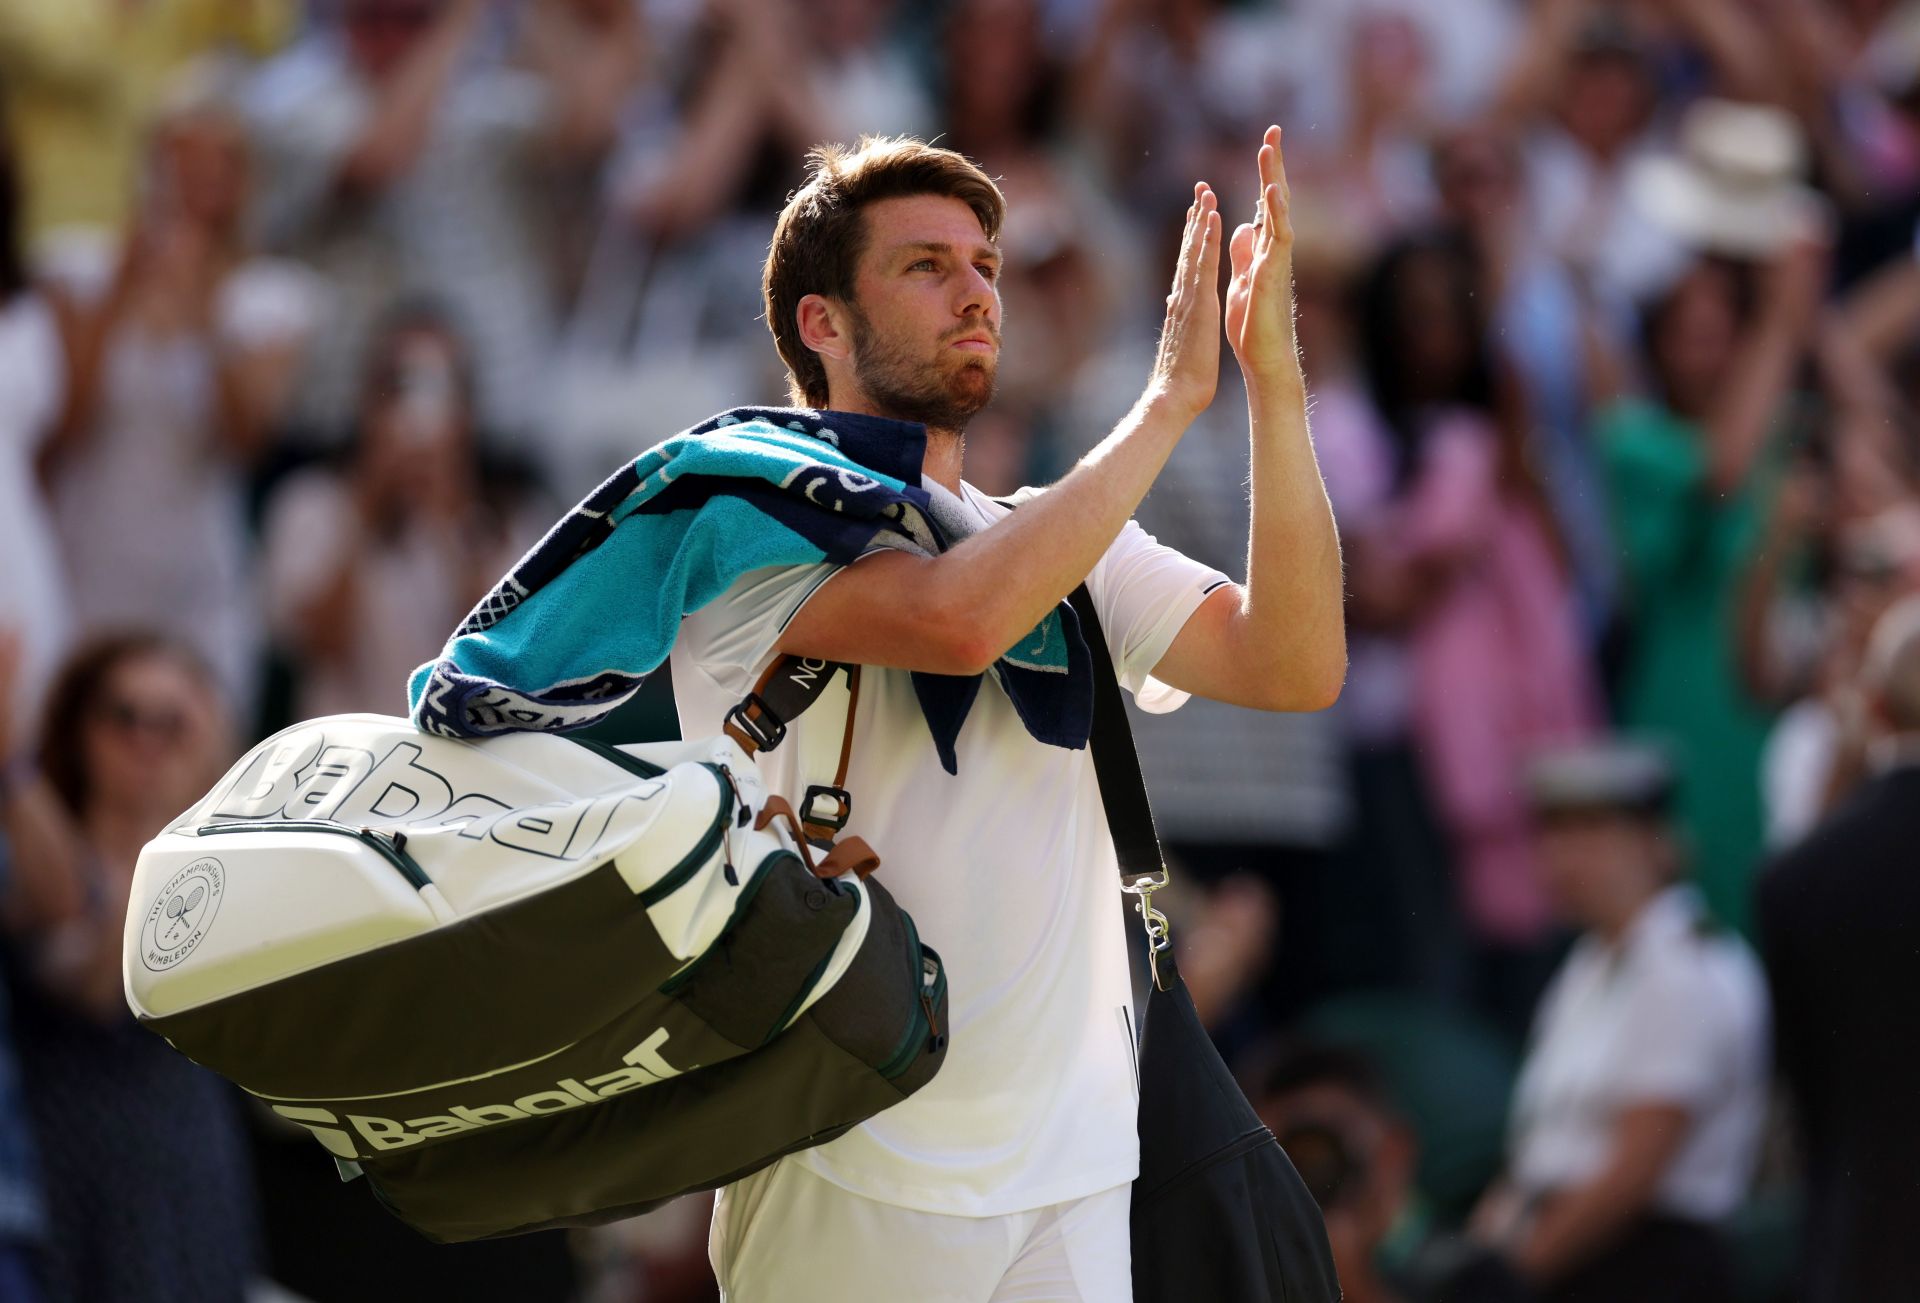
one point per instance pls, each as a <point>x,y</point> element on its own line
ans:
<point>527,981</point>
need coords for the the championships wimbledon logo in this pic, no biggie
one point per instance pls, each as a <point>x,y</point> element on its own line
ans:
<point>182,913</point>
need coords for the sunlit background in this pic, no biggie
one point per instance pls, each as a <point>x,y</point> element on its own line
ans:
<point>312,317</point>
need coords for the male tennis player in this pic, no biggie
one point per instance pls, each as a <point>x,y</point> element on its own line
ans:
<point>1008,1176</point>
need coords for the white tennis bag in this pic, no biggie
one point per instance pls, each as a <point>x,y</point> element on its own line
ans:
<point>528,980</point>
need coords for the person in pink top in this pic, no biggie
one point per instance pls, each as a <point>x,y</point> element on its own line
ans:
<point>1464,554</point>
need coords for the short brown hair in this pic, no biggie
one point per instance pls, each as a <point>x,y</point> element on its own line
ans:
<point>820,236</point>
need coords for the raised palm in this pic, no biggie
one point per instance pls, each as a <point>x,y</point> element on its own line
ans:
<point>1259,307</point>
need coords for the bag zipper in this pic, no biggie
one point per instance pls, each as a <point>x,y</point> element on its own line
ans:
<point>392,846</point>
<point>632,764</point>
<point>923,1028</point>
<point>676,877</point>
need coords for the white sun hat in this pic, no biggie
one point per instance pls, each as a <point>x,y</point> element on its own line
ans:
<point>1733,186</point>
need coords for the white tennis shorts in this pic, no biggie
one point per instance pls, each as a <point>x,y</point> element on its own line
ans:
<point>784,1235</point>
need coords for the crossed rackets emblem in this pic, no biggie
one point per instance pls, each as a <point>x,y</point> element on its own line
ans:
<point>179,907</point>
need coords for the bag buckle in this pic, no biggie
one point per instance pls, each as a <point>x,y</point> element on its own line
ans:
<point>1159,930</point>
<point>839,811</point>
<point>764,729</point>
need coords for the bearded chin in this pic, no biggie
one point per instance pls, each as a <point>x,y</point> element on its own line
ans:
<point>909,389</point>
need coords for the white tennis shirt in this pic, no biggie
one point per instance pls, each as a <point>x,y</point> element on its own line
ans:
<point>1008,871</point>
<point>1673,1014</point>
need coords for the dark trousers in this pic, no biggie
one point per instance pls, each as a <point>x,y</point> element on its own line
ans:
<point>1657,1260</point>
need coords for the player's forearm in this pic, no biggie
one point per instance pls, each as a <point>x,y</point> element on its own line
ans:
<point>1007,578</point>
<point>1293,638</point>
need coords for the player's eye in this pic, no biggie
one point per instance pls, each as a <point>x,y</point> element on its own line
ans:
<point>926,263</point>
<point>988,270</point>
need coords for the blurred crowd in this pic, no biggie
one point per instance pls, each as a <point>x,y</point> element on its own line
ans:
<point>313,316</point>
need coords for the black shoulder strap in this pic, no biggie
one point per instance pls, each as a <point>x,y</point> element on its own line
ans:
<point>790,685</point>
<point>1115,762</point>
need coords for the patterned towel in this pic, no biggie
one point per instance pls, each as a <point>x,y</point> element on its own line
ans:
<point>571,632</point>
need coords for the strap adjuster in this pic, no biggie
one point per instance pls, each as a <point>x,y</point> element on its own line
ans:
<point>842,808</point>
<point>762,727</point>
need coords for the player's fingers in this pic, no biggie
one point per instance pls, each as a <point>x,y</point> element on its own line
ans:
<point>1193,246</point>
<point>1210,256</point>
<point>1240,250</point>
<point>1277,228</point>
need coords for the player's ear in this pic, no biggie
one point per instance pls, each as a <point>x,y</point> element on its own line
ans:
<point>824,327</point>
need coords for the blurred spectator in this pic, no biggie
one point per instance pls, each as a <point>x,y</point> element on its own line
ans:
<point>1851,74</point>
<point>1838,920</point>
<point>1375,175</point>
<point>1545,329</point>
<point>1461,561</point>
<point>178,369</point>
<point>600,51</point>
<point>144,1164</point>
<point>1225,947</point>
<point>369,565</point>
<point>1469,44</point>
<point>398,161</point>
<point>1162,92</point>
<point>1638,1112</point>
<point>1062,277</point>
<point>681,175</point>
<point>1817,750</point>
<point>1331,1113</point>
<point>862,77</point>
<point>82,76</point>
<point>1848,513</point>
<point>1395,921</point>
<point>1584,86</point>
<point>1688,474</point>
<point>38,888</point>
<point>33,598</point>
<point>584,188</point>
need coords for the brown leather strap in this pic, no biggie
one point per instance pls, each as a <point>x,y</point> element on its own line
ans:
<point>846,740</point>
<point>822,834</point>
<point>790,685</point>
<point>777,808</point>
<point>849,853</point>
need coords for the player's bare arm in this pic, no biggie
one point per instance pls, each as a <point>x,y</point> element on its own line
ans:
<point>1278,641</point>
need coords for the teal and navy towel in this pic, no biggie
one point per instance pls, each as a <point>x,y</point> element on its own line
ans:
<point>571,632</point>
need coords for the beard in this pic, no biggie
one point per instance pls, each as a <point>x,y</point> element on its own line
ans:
<point>907,387</point>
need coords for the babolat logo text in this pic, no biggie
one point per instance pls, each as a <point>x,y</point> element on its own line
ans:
<point>644,1067</point>
<point>392,786</point>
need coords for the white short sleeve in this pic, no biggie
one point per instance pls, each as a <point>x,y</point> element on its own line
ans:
<point>1676,1027</point>
<point>1145,592</point>
<point>732,637</point>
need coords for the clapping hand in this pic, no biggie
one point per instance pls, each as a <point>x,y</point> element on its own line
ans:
<point>1260,296</point>
<point>1187,367</point>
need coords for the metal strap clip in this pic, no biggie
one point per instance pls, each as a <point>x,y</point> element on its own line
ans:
<point>1159,930</point>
